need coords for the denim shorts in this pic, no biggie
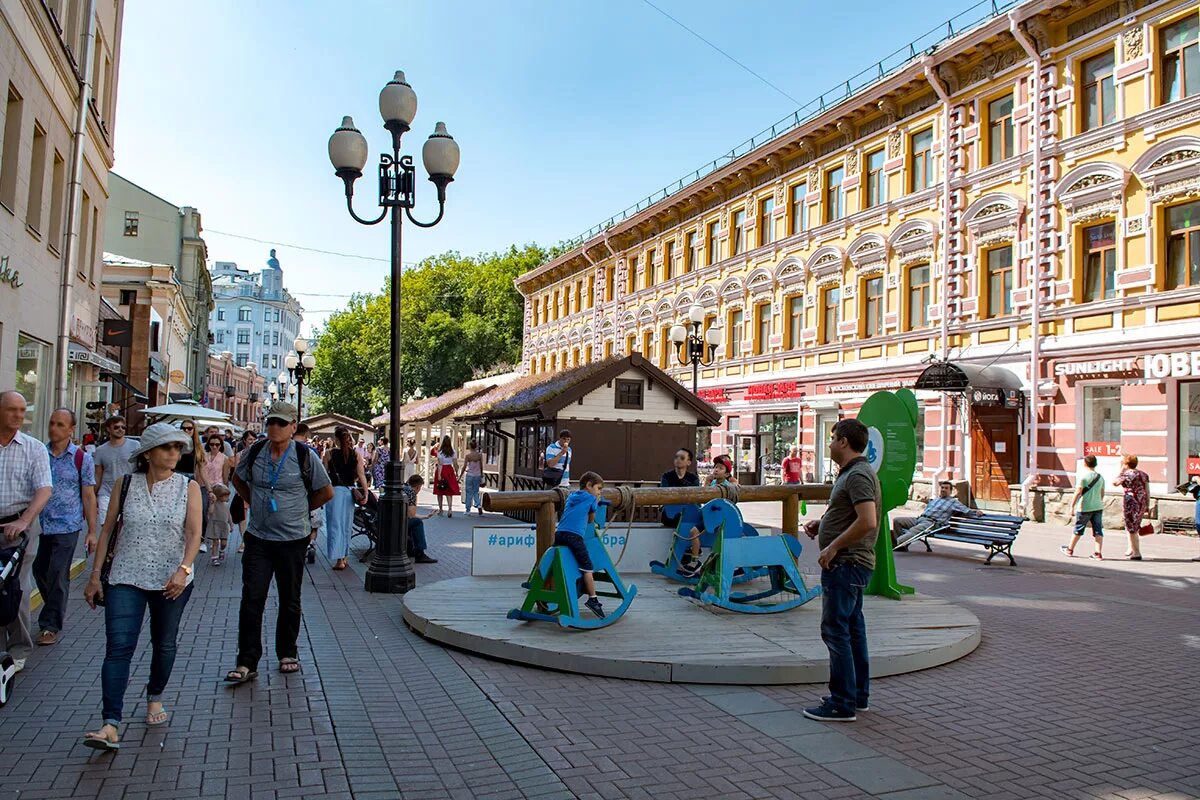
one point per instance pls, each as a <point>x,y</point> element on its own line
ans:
<point>574,543</point>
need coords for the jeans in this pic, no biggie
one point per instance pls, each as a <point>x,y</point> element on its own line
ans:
<point>52,573</point>
<point>471,492</point>
<point>1094,518</point>
<point>416,537</point>
<point>124,608</point>
<point>339,523</point>
<point>844,632</point>
<point>261,561</point>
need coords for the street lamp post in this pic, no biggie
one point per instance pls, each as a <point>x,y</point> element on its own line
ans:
<point>299,366</point>
<point>391,569</point>
<point>696,347</point>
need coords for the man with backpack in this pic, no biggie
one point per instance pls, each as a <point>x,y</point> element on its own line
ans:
<point>71,510</point>
<point>281,482</point>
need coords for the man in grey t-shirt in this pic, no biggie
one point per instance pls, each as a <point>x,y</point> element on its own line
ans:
<point>112,463</point>
<point>847,534</point>
<point>281,483</point>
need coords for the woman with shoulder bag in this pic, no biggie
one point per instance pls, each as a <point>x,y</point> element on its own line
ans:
<point>345,469</point>
<point>445,482</point>
<point>147,546</point>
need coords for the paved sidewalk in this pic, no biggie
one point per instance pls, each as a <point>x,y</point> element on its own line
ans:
<point>1082,688</point>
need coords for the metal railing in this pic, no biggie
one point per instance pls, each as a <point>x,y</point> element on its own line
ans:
<point>978,14</point>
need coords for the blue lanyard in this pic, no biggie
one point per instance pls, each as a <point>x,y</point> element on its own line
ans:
<point>275,467</point>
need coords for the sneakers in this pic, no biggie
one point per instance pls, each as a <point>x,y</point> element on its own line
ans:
<point>690,566</point>
<point>826,712</point>
<point>829,699</point>
<point>424,559</point>
<point>203,547</point>
<point>593,605</point>
<point>1067,551</point>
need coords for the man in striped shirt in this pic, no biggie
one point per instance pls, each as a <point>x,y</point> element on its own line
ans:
<point>25,487</point>
<point>937,512</point>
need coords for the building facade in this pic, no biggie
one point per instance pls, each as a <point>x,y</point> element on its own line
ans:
<point>1023,197</point>
<point>142,226</point>
<point>254,317</point>
<point>236,390</point>
<point>58,71</point>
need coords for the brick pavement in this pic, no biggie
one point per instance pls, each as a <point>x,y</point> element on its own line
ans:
<point>1082,688</point>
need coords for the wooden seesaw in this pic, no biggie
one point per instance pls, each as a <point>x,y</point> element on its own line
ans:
<point>775,556</point>
<point>556,583</point>
<point>690,516</point>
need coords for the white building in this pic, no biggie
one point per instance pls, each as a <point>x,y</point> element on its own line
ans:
<point>254,317</point>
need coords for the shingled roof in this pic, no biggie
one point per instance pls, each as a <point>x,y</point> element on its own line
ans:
<point>545,394</point>
<point>433,409</point>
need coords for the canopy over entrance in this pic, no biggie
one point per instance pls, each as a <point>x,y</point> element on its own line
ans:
<point>989,386</point>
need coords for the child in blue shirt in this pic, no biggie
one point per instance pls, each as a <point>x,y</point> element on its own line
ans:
<point>722,475</point>
<point>578,512</point>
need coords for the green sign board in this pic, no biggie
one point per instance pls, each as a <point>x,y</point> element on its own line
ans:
<point>891,420</point>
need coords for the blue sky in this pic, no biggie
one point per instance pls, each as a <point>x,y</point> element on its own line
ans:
<point>566,111</point>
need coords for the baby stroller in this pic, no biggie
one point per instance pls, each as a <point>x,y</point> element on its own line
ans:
<point>10,606</point>
<point>366,523</point>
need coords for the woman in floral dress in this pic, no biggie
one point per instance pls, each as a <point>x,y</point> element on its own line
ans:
<point>1136,503</point>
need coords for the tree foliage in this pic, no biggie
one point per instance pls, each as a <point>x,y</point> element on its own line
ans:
<point>459,316</point>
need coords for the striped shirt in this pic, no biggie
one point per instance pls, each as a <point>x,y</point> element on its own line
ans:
<point>24,468</point>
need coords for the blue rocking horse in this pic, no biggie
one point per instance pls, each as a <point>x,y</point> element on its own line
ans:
<point>774,556</point>
<point>690,515</point>
<point>556,583</point>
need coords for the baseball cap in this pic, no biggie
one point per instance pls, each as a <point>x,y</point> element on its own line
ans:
<point>281,409</point>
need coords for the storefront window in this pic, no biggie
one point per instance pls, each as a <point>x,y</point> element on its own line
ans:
<point>777,434</point>
<point>1102,421</point>
<point>34,383</point>
<point>1189,429</point>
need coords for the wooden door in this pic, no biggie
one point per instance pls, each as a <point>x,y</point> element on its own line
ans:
<point>994,453</point>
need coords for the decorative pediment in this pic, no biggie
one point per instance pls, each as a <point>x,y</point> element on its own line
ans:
<point>707,296</point>
<point>994,218</point>
<point>1170,169</point>
<point>664,309</point>
<point>913,242</point>
<point>789,271</point>
<point>628,320</point>
<point>868,253</point>
<point>645,314</point>
<point>759,280</point>
<point>607,325</point>
<point>573,337</point>
<point>827,260</point>
<point>731,286</point>
<point>683,301</point>
<point>1092,191</point>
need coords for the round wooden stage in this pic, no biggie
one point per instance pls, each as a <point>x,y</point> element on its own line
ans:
<point>668,638</point>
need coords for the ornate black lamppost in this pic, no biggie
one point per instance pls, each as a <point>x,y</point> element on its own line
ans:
<point>299,366</point>
<point>696,347</point>
<point>391,569</point>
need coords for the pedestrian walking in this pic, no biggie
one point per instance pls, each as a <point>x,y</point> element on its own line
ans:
<point>226,447</point>
<point>792,467</point>
<point>191,465</point>
<point>219,522</point>
<point>281,483</point>
<point>70,511</point>
<point>410,459</point>
<point>472,476</point>
<point>345,468</point>
<point>148,545</point>
<point>1135,504</point>
<point>25,488</point>
<point>445,483</point>
<point>557,470</point>
<point>112,462</point>
<point>417,542</point>
<point>213,471</point>
<point>937,512</point>
<point>1089,496</point>
<point>846,534</point>
<point>383,455</point>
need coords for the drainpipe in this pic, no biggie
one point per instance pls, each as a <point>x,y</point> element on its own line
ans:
<point>940,89</point>
<point>1031,50</point>
<point>72,246</point>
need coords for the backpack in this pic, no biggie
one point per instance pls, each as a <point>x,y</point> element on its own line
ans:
<point>303,454</point>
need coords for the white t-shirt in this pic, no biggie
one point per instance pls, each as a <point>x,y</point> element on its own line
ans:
<point>552,450</point>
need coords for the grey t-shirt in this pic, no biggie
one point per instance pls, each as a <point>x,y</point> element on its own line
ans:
<point>115,463</point>
<point>290,520</point>
<point>856,483</point>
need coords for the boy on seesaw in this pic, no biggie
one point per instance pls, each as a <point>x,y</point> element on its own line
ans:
<point>579,511</point>
<point>722,475</point>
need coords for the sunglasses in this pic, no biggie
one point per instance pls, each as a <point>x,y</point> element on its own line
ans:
<point>276,421</point>
<point>188,429</point>
<point>172,445</point>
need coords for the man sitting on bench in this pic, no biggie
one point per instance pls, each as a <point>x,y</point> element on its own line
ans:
<point>937,512</point>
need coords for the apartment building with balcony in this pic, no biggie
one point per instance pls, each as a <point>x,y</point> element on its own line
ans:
<point>1015,206</point>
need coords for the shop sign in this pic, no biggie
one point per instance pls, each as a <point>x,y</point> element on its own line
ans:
<point>1193,465</point>
<point>156,368</point>
<point>117,332</point>
<point>781,390</point>
<point>82,332</point>
<point>864,387</point>
<point>1102,449</point>
<point>176,376</point>
<point>9,275</point>
<point>1102,368</point>
<point>987,397</point>
<point>1173,365</point>
<point>713,395</point>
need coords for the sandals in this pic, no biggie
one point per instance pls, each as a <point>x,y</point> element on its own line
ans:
<point>100,741</point>
<point>240,675</point>
<point>158,718</point>
<point>289,665</point>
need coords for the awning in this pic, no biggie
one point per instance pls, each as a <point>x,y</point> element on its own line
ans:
<point>80,354</point>
<point>984,386</point>
<point>119,379</point>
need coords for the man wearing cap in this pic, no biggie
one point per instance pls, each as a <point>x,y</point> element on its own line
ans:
<point>281,483</point>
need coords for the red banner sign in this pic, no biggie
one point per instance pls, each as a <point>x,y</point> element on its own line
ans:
<point>713,395</point>
<point>1102,449</point>
<point>782,390</point>
<point>1193,465</point>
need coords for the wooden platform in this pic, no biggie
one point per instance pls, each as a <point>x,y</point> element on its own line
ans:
<point>668,638</point>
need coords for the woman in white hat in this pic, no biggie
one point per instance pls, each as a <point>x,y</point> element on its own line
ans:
<point>155,545</point>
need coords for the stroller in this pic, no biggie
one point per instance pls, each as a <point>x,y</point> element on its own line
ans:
<point>10,606</point>
<point>366,523</point>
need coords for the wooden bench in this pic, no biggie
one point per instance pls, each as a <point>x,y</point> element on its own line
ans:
<point>996,532</point>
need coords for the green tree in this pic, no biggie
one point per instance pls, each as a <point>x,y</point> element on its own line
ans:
<point>459,315</point>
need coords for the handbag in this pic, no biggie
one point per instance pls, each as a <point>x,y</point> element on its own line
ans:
<point>552,476</point>
<point>1146,529</point>
<point>106,567</point>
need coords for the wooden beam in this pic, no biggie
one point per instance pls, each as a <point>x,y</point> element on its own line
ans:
<point>660,495</point>
<point>547,521</point>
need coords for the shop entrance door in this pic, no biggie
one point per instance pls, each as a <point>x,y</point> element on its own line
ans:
<point>825,465</point>
<point>993,455</point>
<point>746,456</point>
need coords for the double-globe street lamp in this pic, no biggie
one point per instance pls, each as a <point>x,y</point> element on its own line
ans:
<point>391,569</point>
<point>696,347</point>
<point>299,366</point>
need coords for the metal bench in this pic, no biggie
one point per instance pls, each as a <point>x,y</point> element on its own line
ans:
<point>996,532</point>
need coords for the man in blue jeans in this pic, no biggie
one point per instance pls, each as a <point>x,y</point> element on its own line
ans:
<point>847,534</point>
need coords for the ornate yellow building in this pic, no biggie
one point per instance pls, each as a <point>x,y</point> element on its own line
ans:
<point>1054,145</point>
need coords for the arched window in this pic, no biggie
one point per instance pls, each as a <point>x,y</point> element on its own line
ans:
<point>244,314</point>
